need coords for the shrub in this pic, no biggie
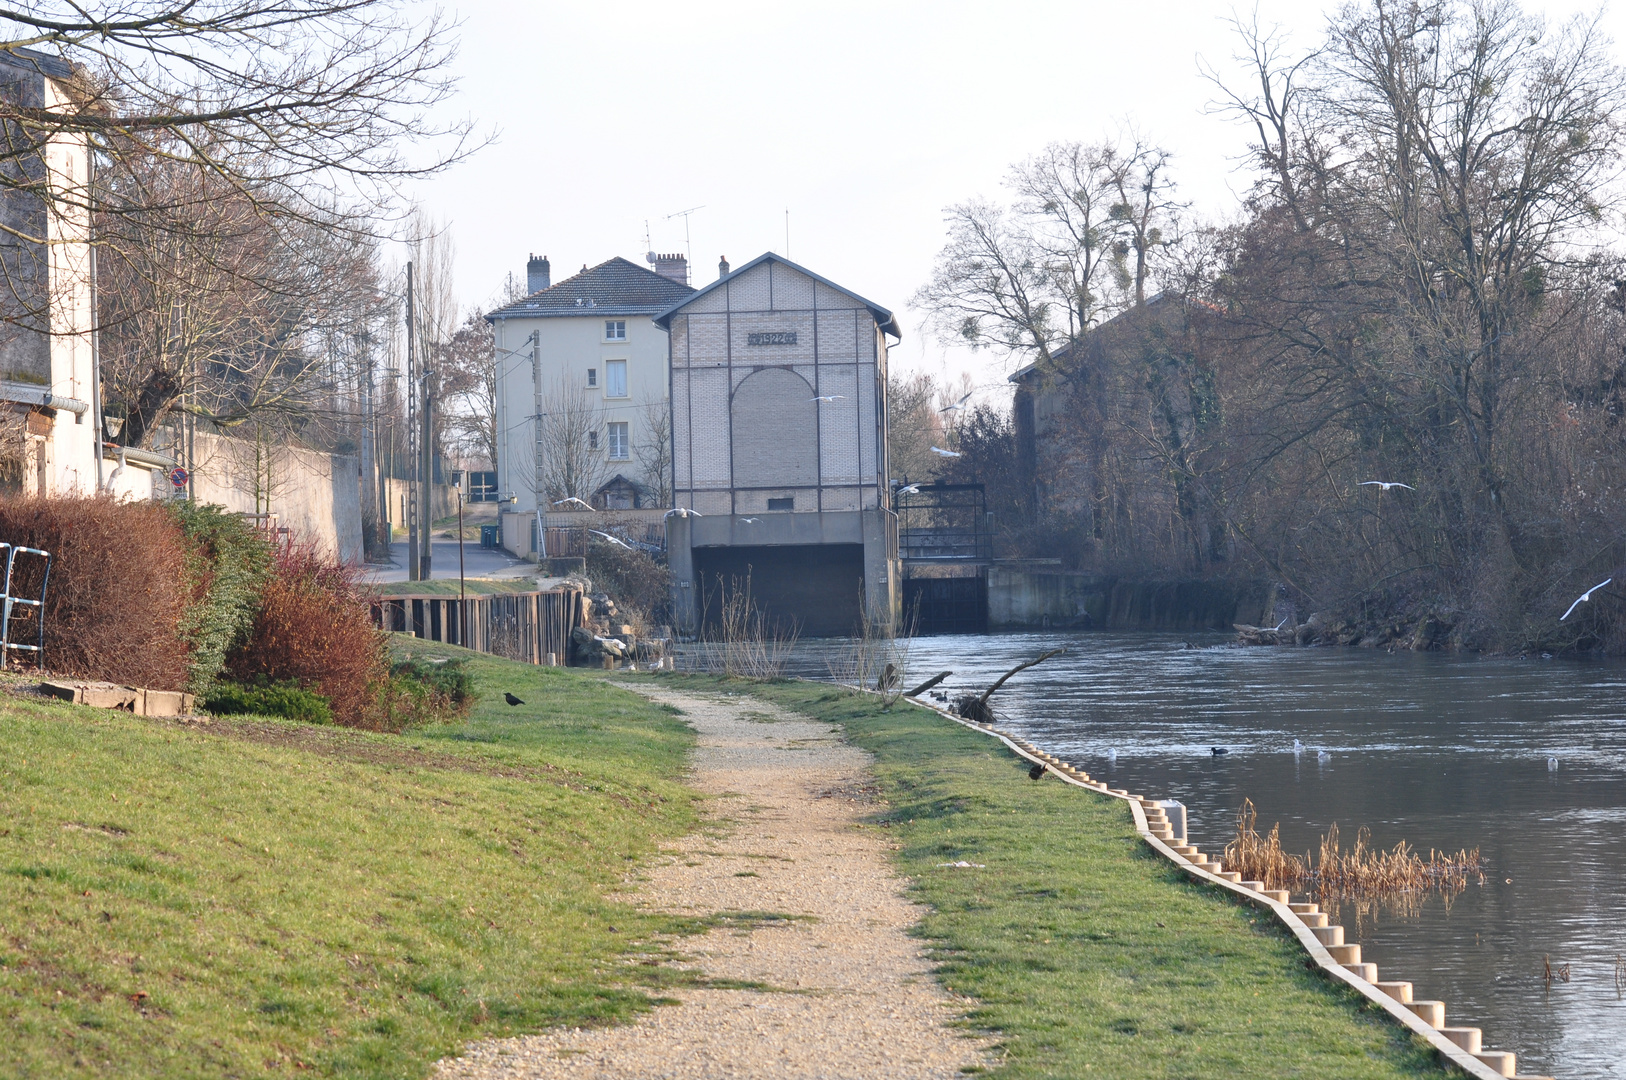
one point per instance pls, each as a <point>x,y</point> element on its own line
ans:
<point>118,591</point>
<point>314,628</point>
<point>228,565</point>
<point>632,579</point>
<point>269,699</point>
<point>419,693</point>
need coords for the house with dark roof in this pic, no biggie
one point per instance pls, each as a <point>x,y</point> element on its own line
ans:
<point>582,394</point>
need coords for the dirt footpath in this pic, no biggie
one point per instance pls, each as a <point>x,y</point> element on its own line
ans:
<point>852,995</point>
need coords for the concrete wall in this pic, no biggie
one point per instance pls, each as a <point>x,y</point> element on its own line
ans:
<point>317,496</point>
<point>1034,594</point>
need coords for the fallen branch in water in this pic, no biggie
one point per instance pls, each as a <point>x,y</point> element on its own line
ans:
<point>976,709</point>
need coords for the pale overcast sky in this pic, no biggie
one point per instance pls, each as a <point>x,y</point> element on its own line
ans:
<point>863,119</point>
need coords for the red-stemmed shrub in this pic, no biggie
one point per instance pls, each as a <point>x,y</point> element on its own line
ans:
<point>315,628</point>
<point>118,591</point>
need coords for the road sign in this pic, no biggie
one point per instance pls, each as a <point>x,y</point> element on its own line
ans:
<point>179,476</point>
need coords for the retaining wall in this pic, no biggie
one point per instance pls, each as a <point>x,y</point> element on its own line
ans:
<point>1039,593</point>
<point>1339,960</point>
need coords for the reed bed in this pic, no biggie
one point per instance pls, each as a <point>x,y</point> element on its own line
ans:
<point>1361,871</point>
<point>743,642</point>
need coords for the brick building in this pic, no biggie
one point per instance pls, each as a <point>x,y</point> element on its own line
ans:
<point>778,392</point>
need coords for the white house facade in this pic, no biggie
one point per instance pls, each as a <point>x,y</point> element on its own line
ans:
<point>584,353</point>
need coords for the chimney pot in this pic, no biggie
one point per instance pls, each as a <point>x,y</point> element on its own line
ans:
<point>722,267</point>
<point>538,275</point>
<point>672,267</point>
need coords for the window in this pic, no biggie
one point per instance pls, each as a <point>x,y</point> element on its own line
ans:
<point>592,440</point>
<point>618,441</point>
<point>782,504</point>
<point>615,329</point>
<point>592,376</point>
<point>615,378</point>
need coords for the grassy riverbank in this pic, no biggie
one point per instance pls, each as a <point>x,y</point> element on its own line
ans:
<point>252,897</point>
<point>1089,955</point>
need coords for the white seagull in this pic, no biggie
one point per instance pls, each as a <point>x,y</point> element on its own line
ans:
<point>1385,485</point>
<point>1322,755</point>
<point>957,405</point>
<point>912,489</point>
<point>1112,755</point>
<point>1552,764</point>
<point>1584,597</point>
<point>827,397</point>
<point>945,453</point>
<point>576,501</point>
<point>749,521</point>
<point>682,511</point>
<point>1298,747</point>
<point>612,539</point>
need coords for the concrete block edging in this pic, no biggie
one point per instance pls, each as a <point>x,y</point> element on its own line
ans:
<point>1330,966</point>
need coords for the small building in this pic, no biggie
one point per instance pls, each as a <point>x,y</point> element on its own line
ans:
<point>582,388</point>
<point>48,437</point>
<point>778,390</point>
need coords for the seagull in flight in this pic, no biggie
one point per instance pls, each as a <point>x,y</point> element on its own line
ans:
<point>912,489</point>
<point>827,397</point>
<point>945,453</point>
<point>749,521</point>
<point>611,539</point>
<point>1385,485</point>
<point>682,512</point>
<point>957,405</point>
<point>1584,597</point>
<point>573,501</point>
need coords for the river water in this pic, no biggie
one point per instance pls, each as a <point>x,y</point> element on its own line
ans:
<point>1441,751</point>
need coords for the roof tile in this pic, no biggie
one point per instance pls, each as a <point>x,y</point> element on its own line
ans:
<point>613,287</point>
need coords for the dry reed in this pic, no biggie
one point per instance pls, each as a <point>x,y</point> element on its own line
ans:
<point>1362,871</point>
<point>742,642</point>
<point>877,659</point>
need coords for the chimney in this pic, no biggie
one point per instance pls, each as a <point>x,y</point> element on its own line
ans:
<point>672,267</point>
<point>538,275</point>
<point>722,267</point>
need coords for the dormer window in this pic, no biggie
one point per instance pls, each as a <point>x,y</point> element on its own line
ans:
<point>615,329</point>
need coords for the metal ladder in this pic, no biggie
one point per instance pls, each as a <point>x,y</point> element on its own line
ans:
<point>8,601</point>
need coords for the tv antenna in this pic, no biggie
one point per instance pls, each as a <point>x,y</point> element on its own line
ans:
<point>688,247</point>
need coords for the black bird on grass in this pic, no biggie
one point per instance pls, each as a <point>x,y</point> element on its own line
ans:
<point>511,699</point>
<point>1035,772</point>
<point>1218,751</point>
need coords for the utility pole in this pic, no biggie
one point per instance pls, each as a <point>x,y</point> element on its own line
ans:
<point>431,390</point>
<point>540,475</point>
<point>413,570</point>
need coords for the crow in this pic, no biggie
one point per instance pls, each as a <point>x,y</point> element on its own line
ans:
<point>1035,772</point>
<point>511,699</point>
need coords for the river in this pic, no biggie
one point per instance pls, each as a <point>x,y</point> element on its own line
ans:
<point>1442,751</point>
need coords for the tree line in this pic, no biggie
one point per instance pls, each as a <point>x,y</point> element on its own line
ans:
<point>1422,286</point>
<point>243,182</point>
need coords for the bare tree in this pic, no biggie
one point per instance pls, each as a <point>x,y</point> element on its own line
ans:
<point>1076,246</point>
<point>289,101</point>
<point>571,439</point>
<point>655,453</point>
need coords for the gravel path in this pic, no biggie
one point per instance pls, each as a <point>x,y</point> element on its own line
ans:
<point>853,995</point>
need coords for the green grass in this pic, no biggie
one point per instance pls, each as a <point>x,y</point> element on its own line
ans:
<point>444,587</point>
<point>1087,954</point>
<point>254,897</point>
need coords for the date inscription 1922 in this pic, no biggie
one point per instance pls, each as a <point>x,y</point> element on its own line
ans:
<point>776,337</point>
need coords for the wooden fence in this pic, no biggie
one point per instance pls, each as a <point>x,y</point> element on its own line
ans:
<point>525,626</point>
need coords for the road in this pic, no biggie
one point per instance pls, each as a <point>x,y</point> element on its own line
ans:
<point>478,563</point>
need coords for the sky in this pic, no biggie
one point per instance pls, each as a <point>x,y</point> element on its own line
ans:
<point>862,120</point>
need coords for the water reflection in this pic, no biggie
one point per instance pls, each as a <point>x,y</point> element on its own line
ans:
<point>1440,751</point>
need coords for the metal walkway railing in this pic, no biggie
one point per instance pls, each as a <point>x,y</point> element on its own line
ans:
<point>8,602</point>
